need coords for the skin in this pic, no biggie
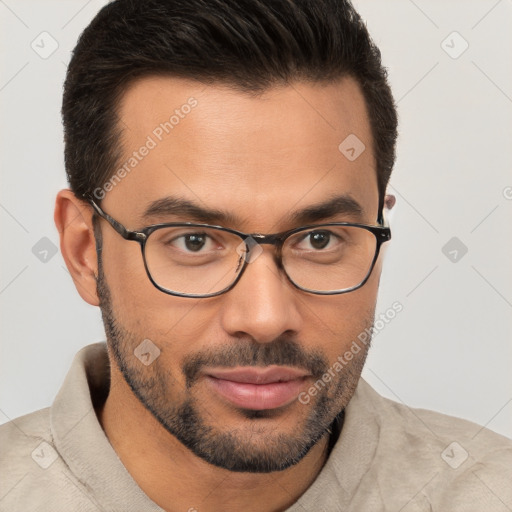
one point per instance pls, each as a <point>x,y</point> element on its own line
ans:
<point>259,158</point>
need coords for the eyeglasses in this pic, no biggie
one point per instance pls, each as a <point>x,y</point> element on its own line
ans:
<point>198,260</point>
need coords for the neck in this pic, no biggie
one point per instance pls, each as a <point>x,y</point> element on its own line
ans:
<point>176,479</point>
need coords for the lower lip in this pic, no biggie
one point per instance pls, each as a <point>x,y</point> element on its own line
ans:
<point>257,397</point>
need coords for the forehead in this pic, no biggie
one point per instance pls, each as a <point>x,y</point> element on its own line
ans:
<point>258,157</point>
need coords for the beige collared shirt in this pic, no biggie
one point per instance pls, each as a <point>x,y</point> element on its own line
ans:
<point>388,457</point>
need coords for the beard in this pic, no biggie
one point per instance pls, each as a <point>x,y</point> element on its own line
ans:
<point>257,448</point>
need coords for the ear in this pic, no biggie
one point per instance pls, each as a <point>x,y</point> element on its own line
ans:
<point>73,218</point>
<point>389,201</point>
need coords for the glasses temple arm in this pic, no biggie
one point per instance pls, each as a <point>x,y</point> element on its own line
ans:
<point>125,233</point>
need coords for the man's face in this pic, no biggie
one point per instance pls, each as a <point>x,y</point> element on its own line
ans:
<point>258,159</point>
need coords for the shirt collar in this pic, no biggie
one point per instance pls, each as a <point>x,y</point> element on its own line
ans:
<point>80,440</point>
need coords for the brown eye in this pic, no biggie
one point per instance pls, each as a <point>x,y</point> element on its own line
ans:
<point>194,242</point>
<point>319,239</point>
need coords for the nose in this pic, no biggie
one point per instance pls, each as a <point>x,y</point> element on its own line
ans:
<point>263,304</point>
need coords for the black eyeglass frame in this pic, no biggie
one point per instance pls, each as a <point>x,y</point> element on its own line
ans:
<point>382,234</point>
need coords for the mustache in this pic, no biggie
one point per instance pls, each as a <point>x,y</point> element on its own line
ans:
<point>248,352</point>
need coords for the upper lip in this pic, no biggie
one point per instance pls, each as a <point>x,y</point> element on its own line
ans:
<point>254,375</point>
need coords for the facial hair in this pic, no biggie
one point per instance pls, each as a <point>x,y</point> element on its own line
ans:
<point>254,450</point>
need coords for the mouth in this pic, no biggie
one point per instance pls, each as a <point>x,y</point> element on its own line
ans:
<point>257,388</point>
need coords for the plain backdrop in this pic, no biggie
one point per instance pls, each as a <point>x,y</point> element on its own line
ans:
<point>449,263</point>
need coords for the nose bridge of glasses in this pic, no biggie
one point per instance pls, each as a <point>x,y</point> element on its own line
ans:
<point>264,239</point>
<point>254,243</point>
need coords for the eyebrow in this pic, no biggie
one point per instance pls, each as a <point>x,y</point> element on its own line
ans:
<point>180,207</point>
<point>338,205</point>
<point>184,208</point>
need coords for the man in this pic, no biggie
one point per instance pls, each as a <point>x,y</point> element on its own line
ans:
<point>228,164</point>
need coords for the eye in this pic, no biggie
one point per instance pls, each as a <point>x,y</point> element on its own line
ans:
<point>193,242</point>
<point>318,240</point>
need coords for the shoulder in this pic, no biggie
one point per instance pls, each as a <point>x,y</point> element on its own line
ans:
<point>34,476</point>
<point>423,423</point>
<point>20,436</point>
<point>454,463</point>
<point>427,427</point>
<point>26,451</point>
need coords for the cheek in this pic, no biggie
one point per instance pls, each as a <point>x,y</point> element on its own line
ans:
<point>176,325</point>
<point>336,321</point>
<point>137,304</point>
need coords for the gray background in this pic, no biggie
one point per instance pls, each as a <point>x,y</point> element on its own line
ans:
<point>448,350</point>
